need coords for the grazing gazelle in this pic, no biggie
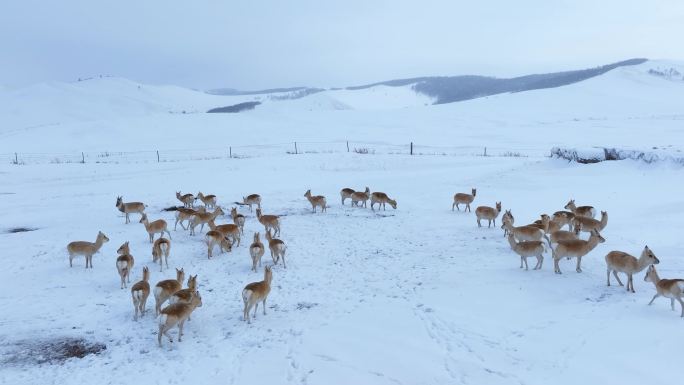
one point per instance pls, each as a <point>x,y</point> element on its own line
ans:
<point>621,262</point>
<point>188,200</point>
<point>463,198</point>
<point>229,231</point>
<point>124,264</point>
<point>360,196</point>
<point>139,293</point>
<point>86,249</point>
<point>269,222</point>
<point>277,248</point>
<point>587,224</point>
<point>157,227</point>
<point>253,199</point>
<point>381,198</point>
<point>488,213</point>
<point>256,251</point>
<point>238,219</point>
<point>184,214</point>
<point>668,288</point>
<point>581,211</point>
<point>256,292</point>
<point>208,200</point>
<point>161,248</point>
<point>315,201</point>
<point>576,248</point>
<point>176,314</point>
<point>130,207</point>
<point>346,193</point>
<point>213,238</point>
<point>165,289</point>
<point>527,249</point>
<point>202,218</point>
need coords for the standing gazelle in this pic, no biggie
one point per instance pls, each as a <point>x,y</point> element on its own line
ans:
<point>86,249</point>
<point>463,198</point>
<point>381,198</point>
<point>161,248</point>
<point>269,222</point>
<point>668,288</point>
<point>346,193</point>
<point>238,219</point>
<point>157,227</point>
<point>315,201</point>
<point>139,293</point>
<point>188,200</point>
<point>576,248</point>
<point>202,218</point>
<point>129,207</point>
<point>583,211</point>
<point>360,196</point>
<point>165,289</point>
<point>252,199</point>
<point>256,251</point>
<point>527,249</point>
<point>124,264</point>
<point>256,292</point>
<point>488,213</point>
<point>621,262</point>
<point>277,248</point>
<point>208,200</point>
<point>176,314</point>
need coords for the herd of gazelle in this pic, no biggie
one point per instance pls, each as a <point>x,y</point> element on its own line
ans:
<point>528,241</point>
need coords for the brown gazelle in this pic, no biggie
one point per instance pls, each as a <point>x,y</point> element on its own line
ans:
<point>463,198</point>
<point>488,213</point>
<point>208,200</point>
<point>576,248</point>
<point>523,233</point>
<point>270,222</point>
<point>161,248</point>
<point>527,249</point>
<point>256,292</point>
<point>381,199</point>
<point>86,249</point>
<point>582,211</point>
<point>253,199</point>
<point>315,201</point>
<point>360,196</point>
<point>139,293</point>
<point>215,238</point>
<point>129,207</point>
<point>346,193</point>
<point>157,227</point>
<point>202,218</point>
<point>238,219</point>
<point>564,218</point>
<point>228,230</point>
<point>176,314</point>
<point>256,251</point>
<point>165,289</point>
<point>124,264</point>
<point>587,224</point>
<point>277,248</point>
<point>188,200</point>
<point>185,214</point>
<point>668,288</point>
<point>185,295</point>
<point>621,262</point>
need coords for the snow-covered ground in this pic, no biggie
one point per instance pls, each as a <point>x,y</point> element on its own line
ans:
<point>417,295</point>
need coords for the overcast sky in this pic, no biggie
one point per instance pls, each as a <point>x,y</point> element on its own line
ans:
<point>264,44</point>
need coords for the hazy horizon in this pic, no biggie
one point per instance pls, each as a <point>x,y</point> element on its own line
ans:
<point>269,45</point>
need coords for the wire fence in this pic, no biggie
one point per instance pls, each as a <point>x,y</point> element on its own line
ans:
<point>264,150</point>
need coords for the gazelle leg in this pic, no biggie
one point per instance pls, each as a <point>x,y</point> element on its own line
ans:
<point>653,299</point>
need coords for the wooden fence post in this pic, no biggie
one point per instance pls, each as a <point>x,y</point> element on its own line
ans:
<point>230,152</point>
<point>16,158</point>
<point>347,146</point>
<point>82,158</point>
<point>485,152</point>
<point>295,148</point>
<point>411,148</point>
<point>157,156</point>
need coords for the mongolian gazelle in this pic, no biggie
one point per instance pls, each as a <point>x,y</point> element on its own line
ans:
<point>488,213</point>
<point>202,218</point>
<point>176,314</point>
<point>527,249</point>
<point>269,222</point>
<point>381,199</point>
<point>185,295</point>
<point>277,248</point>
<point>215,238</point>
<point>184,214</point>
<point>315,201</point>
<point>668,288</point>
<point>208,200</point>
<point>587,224</point>
<point>523,233</point>
<point>188,200</point>
<point>360,196</point>
<point>124,264</point>
<point>86,249</point>
<point>129,207</point>
<point>229,231</point>
<point>238,219</point>
<point>576,248</point>
<point>165,289</point>
<point>256,251</point>
<point>463,198</point>
<point>507,217</point>
<point>253,199</point>
<point>256,292</point>
<point>157,227</point>
<point>583,211</point>
<point>139,293</point>
<point>346,193</point>
<point>161,248</point>
<point>621,262</point>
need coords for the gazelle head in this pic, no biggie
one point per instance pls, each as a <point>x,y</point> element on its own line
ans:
<point>367,190</point>
<point>196,299</point>
<point>119,201</point>
<point>258,213</point>
<point>652,259</point>
<point>595,233</point>
<point>392,203</point>
<point>498,206</point>
<point>143,218</point>
<point>102,237</point>
<point>570,204</point>
<point>146,274</point>
<point>218,212</point>
<point>308,193</point>
<point>192,282</point>
<point>180,275</point>
<point>268,274</point>
<point>233,211</point>
<point>651,275</point>
<point>124,249</point>
<point>474,192</point>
